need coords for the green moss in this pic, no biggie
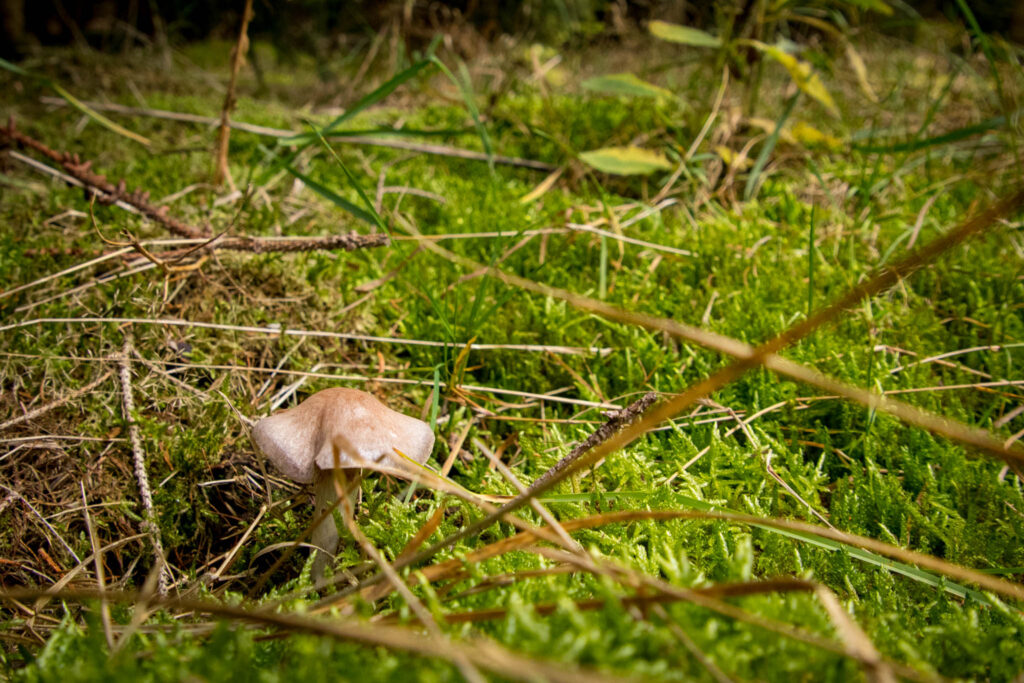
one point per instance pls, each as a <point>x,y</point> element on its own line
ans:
<point>748,277</point>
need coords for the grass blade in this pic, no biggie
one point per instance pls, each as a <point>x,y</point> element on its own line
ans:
<point>767,148</point>
<point>365,102</point>
<point>465,88</point>
<point>77,103</point>
<point>371,209</point>
<point>696,506</point>
<point>994,123</point>
<point>332,196</point>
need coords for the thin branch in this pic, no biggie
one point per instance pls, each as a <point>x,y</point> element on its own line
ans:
<point>294,332</point>
<point>150,525</point>
<point>426,148</point>
<point>568,542</point>
<point>616,421</point>
<point>876,669</point>
<point>340,483</point>
<point>108,193</point>
<point>481,652</point>
<point>137,201</point>
<point>684,638</point>
<point>100,574</point>
<point>32,414</point>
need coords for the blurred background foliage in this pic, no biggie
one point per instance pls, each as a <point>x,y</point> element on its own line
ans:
<point>318,26</point>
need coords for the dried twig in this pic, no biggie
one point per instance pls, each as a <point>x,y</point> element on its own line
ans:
<point>569,543</point>
<point>138,201</point>
<point>684,638</point>
<point>426,148</point>
<point>109,193</point>
<point>39,516</point>
<point>616,421</point>
<point>100,574</point>
<point>277,330</point>
<point>259,245</point>
<point>32,414</point>
<point>876,669</point>
<point>149,525</point>
<point>466,668</point>
<point>481,652</point>
<point>237,57</point>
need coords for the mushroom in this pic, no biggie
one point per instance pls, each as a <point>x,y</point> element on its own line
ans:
<point>344,428</point>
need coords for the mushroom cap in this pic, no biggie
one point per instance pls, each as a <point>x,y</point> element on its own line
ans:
<point>366,432</point>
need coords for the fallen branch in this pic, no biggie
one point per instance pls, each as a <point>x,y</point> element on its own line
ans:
<point>108,193</point>
<point>149,523</point>
<point>78,173</point>
<point>426,148</point>
<point>616,421</point>
<point>260,245</point>
<point>32,414</point>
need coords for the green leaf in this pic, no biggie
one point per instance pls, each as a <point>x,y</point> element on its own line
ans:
<point>624,84</point>
<point>674,33</point>
<point>625,160</point>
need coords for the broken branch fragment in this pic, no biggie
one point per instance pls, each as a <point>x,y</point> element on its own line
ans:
<point>107,193</point>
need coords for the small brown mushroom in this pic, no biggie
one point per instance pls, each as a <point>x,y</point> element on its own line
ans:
<point>344,428</point>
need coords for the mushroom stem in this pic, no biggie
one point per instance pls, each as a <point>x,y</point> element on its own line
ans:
<point>325,535</point>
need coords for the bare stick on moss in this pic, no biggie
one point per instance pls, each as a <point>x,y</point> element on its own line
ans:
<point>237,57</point>
<point>149,523</point>
<point>108,193</point>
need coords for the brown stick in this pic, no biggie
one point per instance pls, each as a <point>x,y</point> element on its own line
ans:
<point>149,524</point>
<point>108,193</point>
<point>616,421</point>
<point>79,171</point>
<point>258,245</point>
<point>237,57</point>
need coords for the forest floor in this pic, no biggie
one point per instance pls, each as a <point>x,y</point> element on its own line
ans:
<point>521,296</point>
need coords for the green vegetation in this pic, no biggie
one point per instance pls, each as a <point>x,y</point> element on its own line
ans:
<point>749,204</point>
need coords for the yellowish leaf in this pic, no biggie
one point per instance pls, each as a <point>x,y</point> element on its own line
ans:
<point>543,187</point>
<point>732,159</point>
<point>626,160</point>
<point>683,34</point>
<point>809,136</point>
<point>802,73</point>
<point>768,126</point>
<point>860,70</point>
